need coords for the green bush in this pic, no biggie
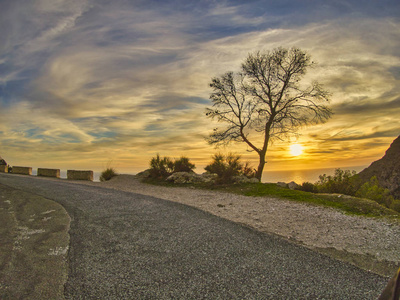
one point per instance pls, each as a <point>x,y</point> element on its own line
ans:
<point>308,187</point>
<point>183,165</point>
<point>395,205</point>
<point>161,167</point>
<point>371,190</point>
<point>217,166</point>
<point>343,182</point>
<point>107,174</point>
<point>164,167</point>
<point>226,167</point>
<point>348,183</point>
<point>248,170</point>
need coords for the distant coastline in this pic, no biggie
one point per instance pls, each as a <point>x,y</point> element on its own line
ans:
<point>300,176</point>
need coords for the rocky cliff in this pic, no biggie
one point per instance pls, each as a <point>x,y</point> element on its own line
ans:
<point>386,169</point>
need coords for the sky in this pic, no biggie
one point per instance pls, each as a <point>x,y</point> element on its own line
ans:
<point>88,84</point>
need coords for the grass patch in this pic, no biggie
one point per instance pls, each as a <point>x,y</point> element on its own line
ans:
<point>347,204</point>
<point>107,174</point>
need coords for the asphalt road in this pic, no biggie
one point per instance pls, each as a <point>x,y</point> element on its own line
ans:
<point>131,246</point>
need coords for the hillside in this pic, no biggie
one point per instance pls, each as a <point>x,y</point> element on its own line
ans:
<point>386,169</point>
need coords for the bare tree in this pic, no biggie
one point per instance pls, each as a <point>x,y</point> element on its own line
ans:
<point>265,101</point>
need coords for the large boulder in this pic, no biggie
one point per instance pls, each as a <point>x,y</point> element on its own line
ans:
<point>386,169</point>
<point>293,185</point>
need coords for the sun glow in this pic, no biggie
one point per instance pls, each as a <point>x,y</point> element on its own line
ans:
<point>296,149</point>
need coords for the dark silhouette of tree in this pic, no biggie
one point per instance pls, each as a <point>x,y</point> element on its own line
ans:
<point>265,101</point>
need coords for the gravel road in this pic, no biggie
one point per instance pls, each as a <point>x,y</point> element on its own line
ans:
<point>130,246</point>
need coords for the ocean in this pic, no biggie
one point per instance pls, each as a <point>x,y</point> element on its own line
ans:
<point>300,176</point>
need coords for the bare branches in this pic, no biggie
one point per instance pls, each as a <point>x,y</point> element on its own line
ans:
<point>232,106</point>
<point>266,98</point>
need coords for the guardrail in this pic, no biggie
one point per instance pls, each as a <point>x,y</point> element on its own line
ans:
<point>80,175</point>
<point>55,173</point>
<point>22,170</point>
<point>48,172</point>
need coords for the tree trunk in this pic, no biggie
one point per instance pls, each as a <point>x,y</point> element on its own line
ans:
<point>260,166</point>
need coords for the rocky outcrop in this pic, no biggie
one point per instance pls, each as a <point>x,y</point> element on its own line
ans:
<point>291,185</point>
<point>244,179</point>
<point>191,177</point>
<point>386,169</point>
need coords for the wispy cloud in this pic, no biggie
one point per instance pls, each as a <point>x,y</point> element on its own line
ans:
<point>117,78</point>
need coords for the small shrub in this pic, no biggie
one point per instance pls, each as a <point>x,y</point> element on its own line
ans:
<point>183,165</point>
<point>371,190</point>
<point>164,167</point>
<point>248,170</point>
<point>226,167</point>
<point>308,187</point>
<point>107,174</point>
<point>161,167</point>
<point>233,166</point>
<point>343,182</point>
<point>217,166</point>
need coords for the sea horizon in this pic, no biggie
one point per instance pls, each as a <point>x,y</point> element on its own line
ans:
<point>303,175</point>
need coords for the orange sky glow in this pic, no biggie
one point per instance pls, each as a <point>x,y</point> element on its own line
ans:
<point>86,84</point>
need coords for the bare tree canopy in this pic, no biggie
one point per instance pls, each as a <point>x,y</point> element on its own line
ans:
<point>266,98</point>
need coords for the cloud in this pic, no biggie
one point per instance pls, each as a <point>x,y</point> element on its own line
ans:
<point>113,77</point>
<point>367,107</point>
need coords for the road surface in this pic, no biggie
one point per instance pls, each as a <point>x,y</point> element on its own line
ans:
<point>130,246</point>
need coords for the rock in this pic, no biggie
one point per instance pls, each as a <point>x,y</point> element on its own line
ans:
<point>239,179</point>
<point>144,174</point>
<point>244,179</point>
<point>253,180</point>
<point>293,185</point>
<point>386,169</point>
<point>282,184</point>
<point>209,177</point>
<point>185,177</point>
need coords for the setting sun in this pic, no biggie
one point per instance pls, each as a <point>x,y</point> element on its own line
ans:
<point>296,149</point>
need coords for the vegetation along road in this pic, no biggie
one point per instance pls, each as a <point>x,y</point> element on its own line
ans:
<point>130,246</point>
